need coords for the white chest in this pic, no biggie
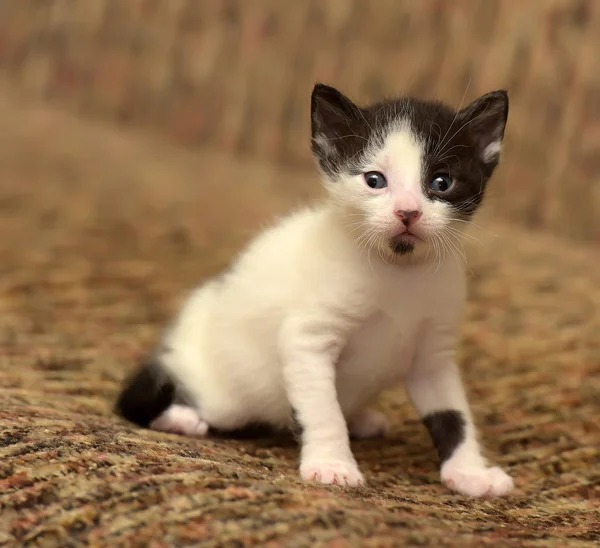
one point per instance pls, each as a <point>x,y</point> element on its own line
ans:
<point>382,348</point>
<point>375,358</point>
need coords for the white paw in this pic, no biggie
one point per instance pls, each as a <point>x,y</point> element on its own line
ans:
<point>336,472</point>
<point>369,424</point>
<point>477,482</point>
<point>181,419</point>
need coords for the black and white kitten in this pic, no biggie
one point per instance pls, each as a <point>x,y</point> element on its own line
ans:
<point>336,303</point>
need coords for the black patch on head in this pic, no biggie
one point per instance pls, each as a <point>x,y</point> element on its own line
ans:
<point>402,248</point>
<point>455,144</point>
<point>147,393</point>
<point>447,429</point>
<point>455,141</point>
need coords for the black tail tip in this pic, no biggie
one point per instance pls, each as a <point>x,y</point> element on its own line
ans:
<point>146,394</point>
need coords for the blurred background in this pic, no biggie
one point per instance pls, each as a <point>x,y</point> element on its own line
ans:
<point>236,76</point>
<point>142,142</point>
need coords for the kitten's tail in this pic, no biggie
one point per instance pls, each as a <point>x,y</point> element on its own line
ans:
<point>147,393</point>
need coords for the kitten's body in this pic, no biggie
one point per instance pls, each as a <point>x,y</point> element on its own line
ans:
<point>306,269</point>
<point>334,304</point>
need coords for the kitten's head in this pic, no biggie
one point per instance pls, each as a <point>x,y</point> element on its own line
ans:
<point>406,171</point>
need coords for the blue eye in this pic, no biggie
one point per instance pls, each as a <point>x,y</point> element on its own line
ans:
<point>375,180</point>
<point>441,183</point>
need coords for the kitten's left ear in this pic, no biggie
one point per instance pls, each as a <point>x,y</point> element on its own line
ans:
<point>486,118</point>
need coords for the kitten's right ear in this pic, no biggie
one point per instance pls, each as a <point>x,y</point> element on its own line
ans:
<point>333,127</point>
<point>331,111</point>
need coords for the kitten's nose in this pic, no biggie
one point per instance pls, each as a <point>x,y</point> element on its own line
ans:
<point>408,217</point>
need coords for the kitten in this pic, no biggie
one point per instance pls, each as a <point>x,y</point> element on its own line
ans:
<point>336,303</point>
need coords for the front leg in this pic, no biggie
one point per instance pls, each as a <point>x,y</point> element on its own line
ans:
<point>310,352</point>
<point>437,392</point>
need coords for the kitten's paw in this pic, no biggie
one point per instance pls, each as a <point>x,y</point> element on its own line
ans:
<point>333,472</point>
<point>477,482</point>
<point>181,419</point>
<point>369,424</point>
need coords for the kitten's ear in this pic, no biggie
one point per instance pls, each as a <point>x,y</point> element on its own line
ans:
<point>487,117</point>
<point>334,126</point>
<point>331,112</point>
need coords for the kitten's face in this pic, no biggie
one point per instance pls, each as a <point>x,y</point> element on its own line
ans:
<point>407,172</point>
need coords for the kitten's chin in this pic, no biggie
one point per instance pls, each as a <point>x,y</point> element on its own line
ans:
<point>404,244</point>
<point>409,249</point>
<point>402,248</point>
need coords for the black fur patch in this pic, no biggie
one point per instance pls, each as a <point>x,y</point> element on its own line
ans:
<point>146,393</point>
<point>402,248</point>
<point>297,429</point>
<point>447,429</point>
<point>454,140</point>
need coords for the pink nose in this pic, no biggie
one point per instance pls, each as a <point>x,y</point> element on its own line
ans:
<point>408,217</point>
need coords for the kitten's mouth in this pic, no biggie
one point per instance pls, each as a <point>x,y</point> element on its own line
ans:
<point>404,243</point>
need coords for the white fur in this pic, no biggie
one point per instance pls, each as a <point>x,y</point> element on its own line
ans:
<point>328,148</point>
<point>492,151</point>
<point>181,419</point>
<point>316,317</point>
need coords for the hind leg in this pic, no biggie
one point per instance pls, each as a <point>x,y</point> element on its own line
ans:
<point>369,423</point>
<point>181,419</point>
